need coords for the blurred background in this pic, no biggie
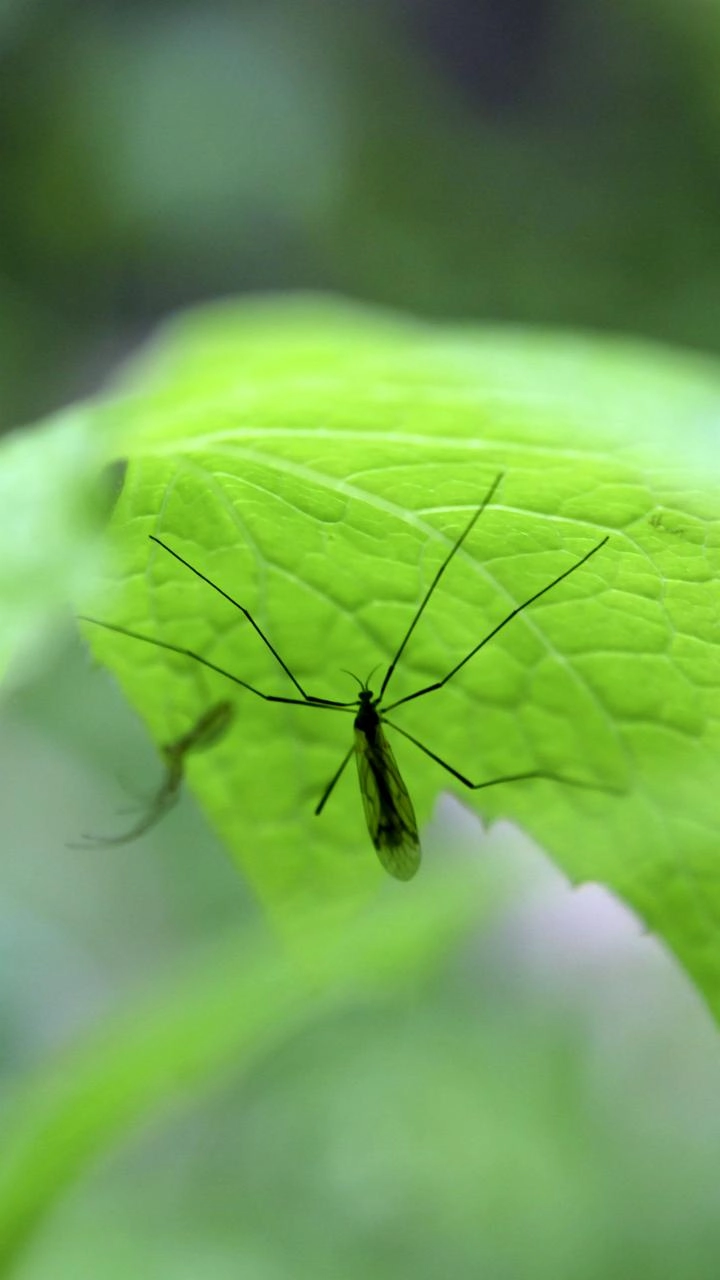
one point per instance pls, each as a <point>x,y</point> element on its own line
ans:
<point>545,1102</point>
<point>537,161</point>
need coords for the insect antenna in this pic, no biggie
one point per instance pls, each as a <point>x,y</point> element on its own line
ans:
<point>455,547</point>
<point>352,676</point>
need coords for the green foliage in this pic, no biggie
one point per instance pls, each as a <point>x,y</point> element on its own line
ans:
<point>316,462</point>
<point>50,502</point>
<point>222,1012</point>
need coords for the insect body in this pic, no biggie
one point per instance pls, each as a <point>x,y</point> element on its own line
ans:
<point>207,730</point>
<point>388,809</point>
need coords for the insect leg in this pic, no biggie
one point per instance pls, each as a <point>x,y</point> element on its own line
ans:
<point>455,547</point>
<point>246,613</point>
<point>324,704</point>
<point>438,684</point>
<point>331,784</point>
<point>509,777</point>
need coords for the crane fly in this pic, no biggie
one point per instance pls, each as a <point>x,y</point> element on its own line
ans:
<point>389,812</point>
<point>205,732</point>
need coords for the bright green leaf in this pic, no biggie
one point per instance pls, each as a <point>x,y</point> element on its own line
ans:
<point>316,462</point>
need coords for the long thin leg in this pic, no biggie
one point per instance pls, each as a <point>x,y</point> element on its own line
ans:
<point>163,802</point>
<point>241,607</point>
<point>430,688</point>
<point>456,547</point>
<point>324,704</point>
<point>331,784</point>
<point>509,777</point>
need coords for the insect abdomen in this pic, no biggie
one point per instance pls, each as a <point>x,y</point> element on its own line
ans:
<point>388,809</point>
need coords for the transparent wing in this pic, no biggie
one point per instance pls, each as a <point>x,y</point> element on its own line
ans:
<point>388,808</point>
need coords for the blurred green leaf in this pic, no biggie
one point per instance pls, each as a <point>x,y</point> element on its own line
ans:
<point>316,462</point>
<point>50,508</point>
<point>217,1015</point>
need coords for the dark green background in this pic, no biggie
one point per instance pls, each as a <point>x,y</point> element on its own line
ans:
<point>537,161</point>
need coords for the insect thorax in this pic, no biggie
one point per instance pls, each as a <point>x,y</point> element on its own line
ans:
<point>367,720</point>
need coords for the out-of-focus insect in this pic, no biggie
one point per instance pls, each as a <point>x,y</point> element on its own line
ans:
<point>388,808</point>
<point>207,730</point>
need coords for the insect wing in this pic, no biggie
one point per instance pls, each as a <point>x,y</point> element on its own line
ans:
<point>388,808</point>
